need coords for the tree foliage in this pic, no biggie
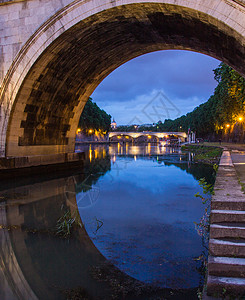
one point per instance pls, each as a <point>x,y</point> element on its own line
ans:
<point>94,118</point>
<point>224,107</point>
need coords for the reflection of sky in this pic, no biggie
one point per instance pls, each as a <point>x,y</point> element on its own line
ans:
<point>148,213</point>
<point>135,173</point>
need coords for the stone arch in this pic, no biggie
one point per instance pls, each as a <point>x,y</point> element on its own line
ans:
<point>147,137</point>
<point>121,137</point>
<point>59,67</point>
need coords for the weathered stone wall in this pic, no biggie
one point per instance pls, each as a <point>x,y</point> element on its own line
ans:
<point>53,54</point>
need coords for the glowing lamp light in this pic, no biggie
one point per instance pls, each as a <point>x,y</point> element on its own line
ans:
<point>78,130</point>
<point>240,119</point>
<point>227,125</point>
<point>149,137</point>
<point>90,131</point>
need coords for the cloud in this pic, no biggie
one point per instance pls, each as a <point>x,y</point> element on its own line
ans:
<point>142,109</point>
<point>185,77</point>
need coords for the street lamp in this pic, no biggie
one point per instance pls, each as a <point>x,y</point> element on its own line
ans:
<point>240,119</point>
<point>227,125</point>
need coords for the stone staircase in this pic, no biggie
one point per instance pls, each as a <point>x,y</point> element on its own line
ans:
<point>226,264</point>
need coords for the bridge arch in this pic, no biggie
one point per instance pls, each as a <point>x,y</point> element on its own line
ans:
<point>151,138</point>
<point>121,138</point>
<point>149,135</point>
<point>58,68</point>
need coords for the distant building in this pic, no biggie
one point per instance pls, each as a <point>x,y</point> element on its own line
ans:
<point>113,124</point>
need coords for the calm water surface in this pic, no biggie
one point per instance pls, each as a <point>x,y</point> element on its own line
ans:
<point>138,241</point>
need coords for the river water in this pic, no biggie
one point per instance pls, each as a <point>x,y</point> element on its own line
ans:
<point>135,235</point>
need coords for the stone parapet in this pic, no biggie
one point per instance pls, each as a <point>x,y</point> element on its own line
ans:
<point>39,160</point>
<point>39,164</point>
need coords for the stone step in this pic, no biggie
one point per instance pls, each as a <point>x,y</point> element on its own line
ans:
<point>218,216</point>
<point>226,204</point>
<point>220,286</point>
<point>227,230</point>
<point>227,247</point>
<point>226,266</point>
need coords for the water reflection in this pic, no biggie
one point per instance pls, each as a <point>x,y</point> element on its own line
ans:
<point>149,215</point>
<point>35,263</point>
<point>38,264</point>
<point>142,150</point>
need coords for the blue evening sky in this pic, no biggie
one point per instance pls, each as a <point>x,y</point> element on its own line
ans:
<point>158,85</point>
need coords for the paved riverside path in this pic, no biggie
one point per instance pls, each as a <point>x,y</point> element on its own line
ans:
<point>226,264</point>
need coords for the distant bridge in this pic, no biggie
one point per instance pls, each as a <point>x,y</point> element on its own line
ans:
<point>149,134</point>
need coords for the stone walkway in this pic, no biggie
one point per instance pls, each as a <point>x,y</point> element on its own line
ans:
<point>226,265</point>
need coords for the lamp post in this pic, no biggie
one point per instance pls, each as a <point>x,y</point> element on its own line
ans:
<point>240,129</point>
<point>228,131</point>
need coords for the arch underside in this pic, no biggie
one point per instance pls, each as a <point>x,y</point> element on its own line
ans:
<point>49,103</point>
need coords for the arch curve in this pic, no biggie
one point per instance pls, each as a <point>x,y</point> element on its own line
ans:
<point>59,67</point>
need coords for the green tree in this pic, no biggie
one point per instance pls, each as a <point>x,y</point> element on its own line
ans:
<point>94,118</point>
<point>224,107</point>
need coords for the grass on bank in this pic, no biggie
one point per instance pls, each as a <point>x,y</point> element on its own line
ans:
<point>203,153</point>
<point>66,224</point>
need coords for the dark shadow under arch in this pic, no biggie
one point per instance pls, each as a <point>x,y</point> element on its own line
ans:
<point>53,94</point>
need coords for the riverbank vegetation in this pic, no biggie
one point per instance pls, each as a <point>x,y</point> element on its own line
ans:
<point>67,222</point>
<point>221,114</point>
<point>205,154</point>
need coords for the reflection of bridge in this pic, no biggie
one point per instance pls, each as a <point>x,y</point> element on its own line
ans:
<point>23,274</point>
<point>149,135</point>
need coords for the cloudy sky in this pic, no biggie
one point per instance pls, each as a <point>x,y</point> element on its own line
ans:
<point>159,85</point>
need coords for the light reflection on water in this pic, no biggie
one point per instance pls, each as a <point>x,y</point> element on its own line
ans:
<point>142,150</point>
<point>147,232</point>
<point>147,205</point>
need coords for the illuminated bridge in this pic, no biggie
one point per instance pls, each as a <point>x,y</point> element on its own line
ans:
<point>147,135</point>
